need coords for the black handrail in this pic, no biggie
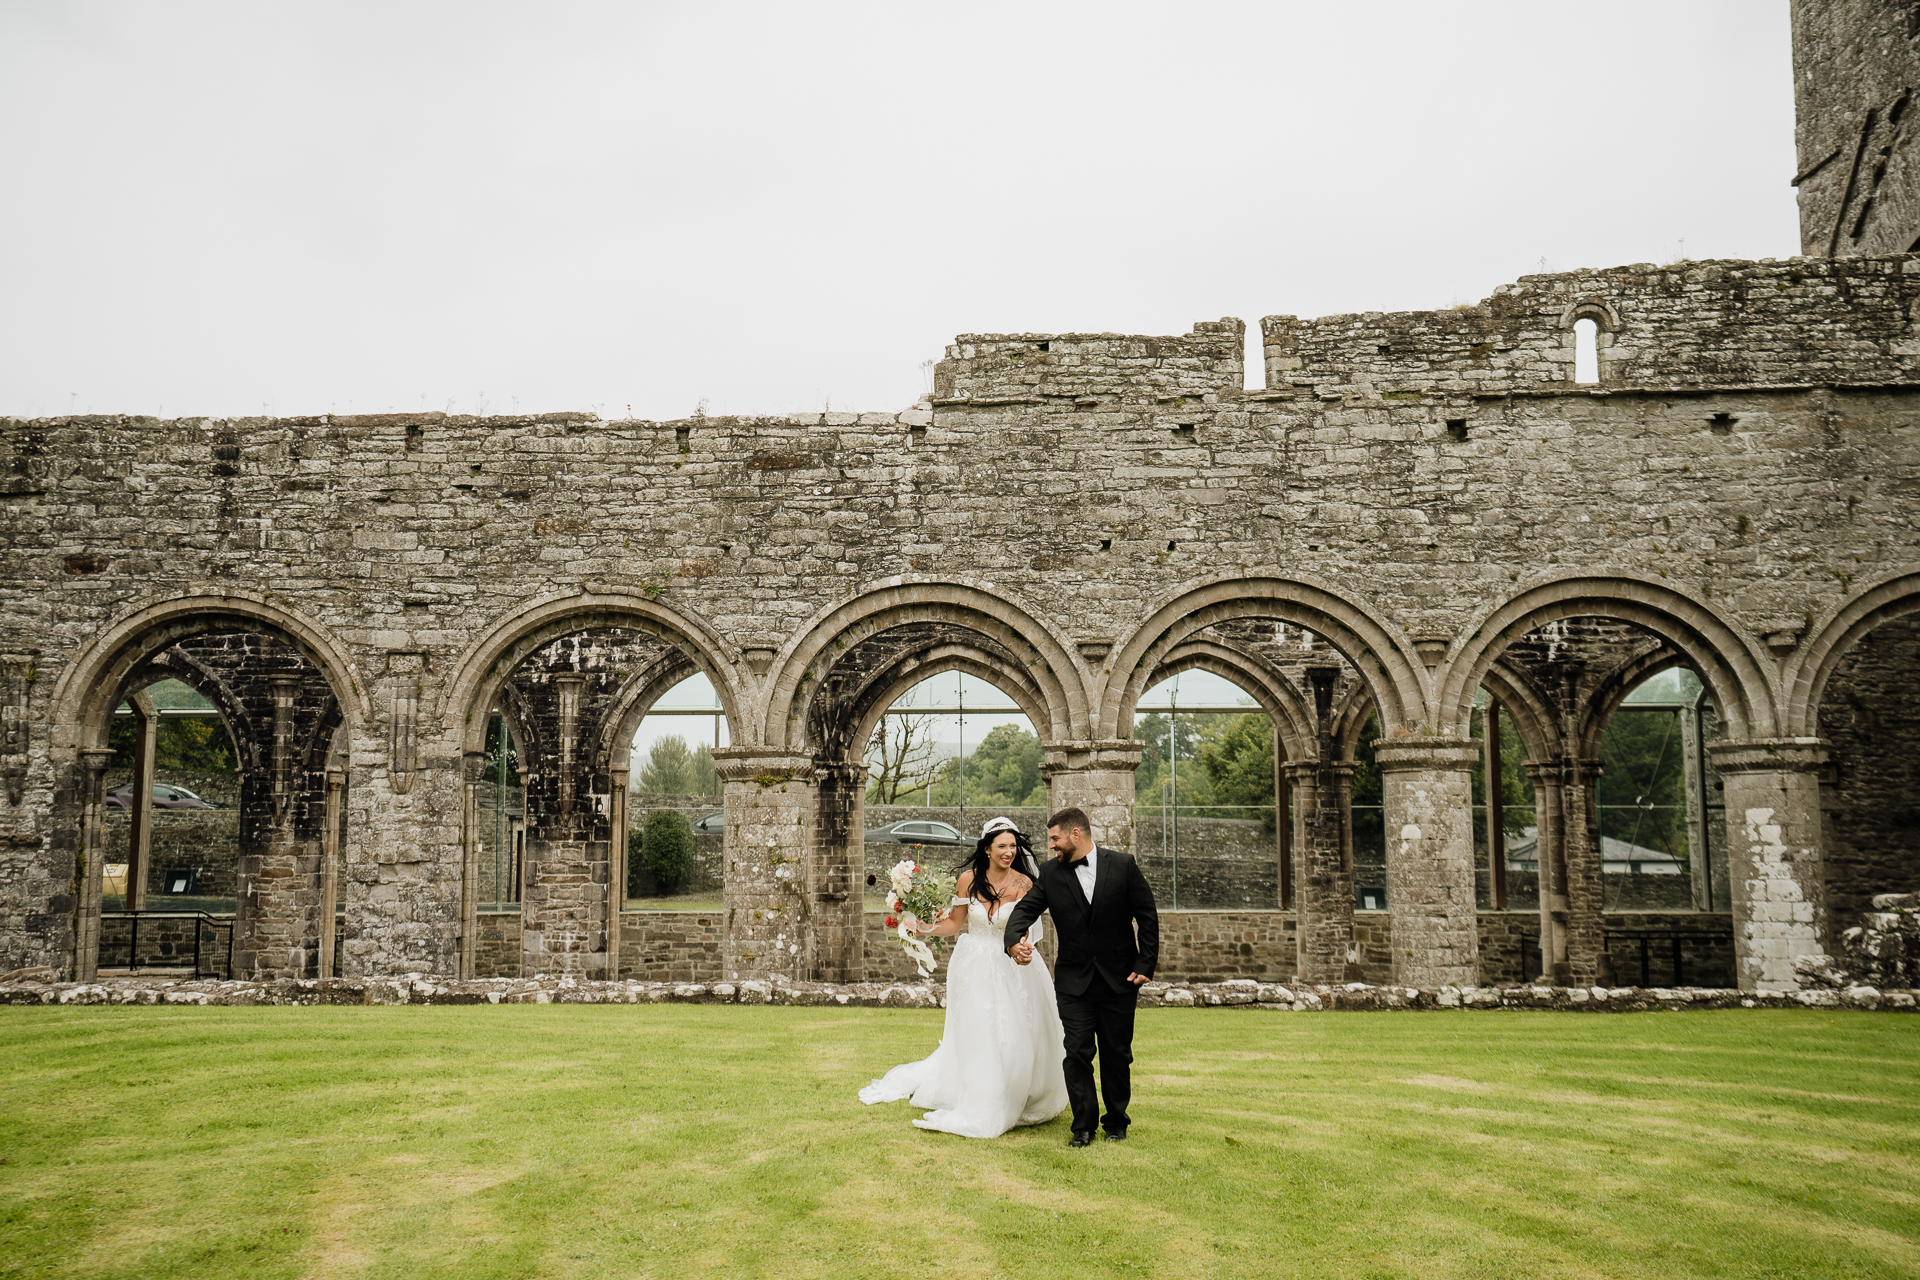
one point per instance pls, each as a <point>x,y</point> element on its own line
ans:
<point>199,918</point>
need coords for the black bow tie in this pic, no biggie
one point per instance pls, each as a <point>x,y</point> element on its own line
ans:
<point>1080,861</point>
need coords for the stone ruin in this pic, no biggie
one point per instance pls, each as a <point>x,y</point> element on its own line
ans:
<point>1408,509</point>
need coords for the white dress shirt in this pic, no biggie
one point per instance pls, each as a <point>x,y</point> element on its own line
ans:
<point>1085,872</point>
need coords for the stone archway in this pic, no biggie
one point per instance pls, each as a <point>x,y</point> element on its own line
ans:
<point>795,892</point>
<point>277,680</point>
<point>1573,648</point>
<point>570,673</point>
<point>1854,686</point>
<point>1335,653</point>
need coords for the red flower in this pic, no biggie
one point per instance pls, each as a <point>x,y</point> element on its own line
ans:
<point>893,922</point>
<point>872,880</point>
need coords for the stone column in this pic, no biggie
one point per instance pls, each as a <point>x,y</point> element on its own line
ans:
<point>837,872</point>
<point>1773,856</point>
<point>770,800</point>
<point>1581,855</point>
<point>1323,890</point>
<point>617,780</point>
<point>1572,919</point>
<point>140,815</point>
<point>93,848</point>
<point>1551,876</point>
<point>1428,798</point>
<point>474,764</point>
<point>1699,860</point>
<point>330,871</point>
<point>1098,777</point>
<point>278,889</point>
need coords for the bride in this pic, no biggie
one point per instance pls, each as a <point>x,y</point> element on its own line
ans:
<point>999,1063</point>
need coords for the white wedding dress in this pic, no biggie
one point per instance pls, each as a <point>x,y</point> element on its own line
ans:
<point>999,1060</point>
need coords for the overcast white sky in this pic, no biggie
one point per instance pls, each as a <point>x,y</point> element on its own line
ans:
<point>211,207</point>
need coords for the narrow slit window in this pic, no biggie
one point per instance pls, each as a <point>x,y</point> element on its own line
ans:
<point>1586,350</point>
<point>1254,360</point>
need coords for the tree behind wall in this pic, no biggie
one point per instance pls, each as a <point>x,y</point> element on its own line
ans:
<point>900,758</point>
<point>666,849</point>
<point>670,767</point>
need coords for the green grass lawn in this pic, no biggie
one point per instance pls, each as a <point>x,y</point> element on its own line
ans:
<point>682,1141</point>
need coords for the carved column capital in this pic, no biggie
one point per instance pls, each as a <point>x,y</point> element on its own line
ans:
<point>763,765</point>
<point>1769,755</point>
<point>95,761</point>
<point>1100,755</point>
<point>1565,771</point>
<point>1394,755</point>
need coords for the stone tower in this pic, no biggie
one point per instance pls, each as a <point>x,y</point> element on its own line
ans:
<point>1856,65</point>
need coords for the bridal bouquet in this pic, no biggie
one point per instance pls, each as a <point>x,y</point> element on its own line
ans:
<point>915,893</point>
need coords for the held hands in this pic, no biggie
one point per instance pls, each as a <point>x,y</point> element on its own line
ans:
<point>1022,952</point>
<point>1137,978</point>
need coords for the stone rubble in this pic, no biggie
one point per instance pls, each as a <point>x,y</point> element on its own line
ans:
<point>1883,950</point>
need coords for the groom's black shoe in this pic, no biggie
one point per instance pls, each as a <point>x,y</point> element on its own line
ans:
<point>1082,1138</point>
<point>1115,1135</point>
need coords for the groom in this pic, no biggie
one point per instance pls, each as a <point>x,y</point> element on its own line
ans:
<point>1097,897</point>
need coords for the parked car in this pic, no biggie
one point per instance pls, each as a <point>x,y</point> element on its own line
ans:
<point>916,831</point>
<point>712,825</point>
<point>164,797</point>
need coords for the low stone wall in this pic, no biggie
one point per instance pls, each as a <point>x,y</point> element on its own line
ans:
<point>1240,994</point>
<point>1222,864</point>
<point>496,952</point>
<point>1627,891</point>
<point>1195,946</point>
<point>1213,946</point>
<point>672,946</point>
<point>222,789</point>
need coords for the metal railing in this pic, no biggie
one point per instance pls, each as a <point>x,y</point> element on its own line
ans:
<point>203,924</point>
<point>1646,937</point>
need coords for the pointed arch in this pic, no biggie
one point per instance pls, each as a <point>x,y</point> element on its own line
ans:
<point>1539,727</point>
<point>1732,664</point>
<point>1274,692</point>
<point>1056,674</point>
<point>1833,636</point>
<point>491,659</point>
<point>95,677</point>
<point>965,659</point>
<point>1377,649</point>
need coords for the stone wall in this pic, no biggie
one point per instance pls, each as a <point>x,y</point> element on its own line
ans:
<point>205,839</point>
<point>1855,69</point>
<point>1872,808</point>
<point>1222,864</point>
<point>1747,455</point>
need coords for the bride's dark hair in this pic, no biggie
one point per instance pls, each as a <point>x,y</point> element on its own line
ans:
<point>980,861</point>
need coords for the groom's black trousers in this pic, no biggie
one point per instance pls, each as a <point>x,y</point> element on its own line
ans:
<point>1100,1018</point>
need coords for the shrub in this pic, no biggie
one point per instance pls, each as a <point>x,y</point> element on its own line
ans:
<point>666,848</point>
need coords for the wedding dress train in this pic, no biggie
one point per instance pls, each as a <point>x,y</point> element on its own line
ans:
<point>999,1060</point>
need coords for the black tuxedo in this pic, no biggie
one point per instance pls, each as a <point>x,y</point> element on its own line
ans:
<point>1098,946</point>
